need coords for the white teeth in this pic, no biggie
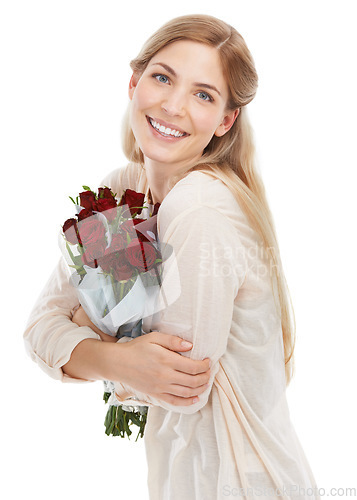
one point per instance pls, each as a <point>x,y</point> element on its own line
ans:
<point>164,130</point>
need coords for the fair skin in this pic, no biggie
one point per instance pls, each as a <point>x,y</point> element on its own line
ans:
<point>197,110</point>
<point>150,363</point>
<point>184,90</point>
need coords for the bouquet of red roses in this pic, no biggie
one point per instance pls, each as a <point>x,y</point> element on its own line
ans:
<point>115,263</point>
<point>115,256</point>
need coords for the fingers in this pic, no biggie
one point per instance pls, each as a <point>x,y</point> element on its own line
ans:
<point>192,366</point>
<point>177,344</point>
<point>171,342</point>
<point>183,387</point>
<point>178,401</point>
<point>180,395</point>
<point>77,316</point>
<point>174,378</point>
<point>81,318</point>
<point>187,392</point>
<point>191,381</point>
<point>104,336</point>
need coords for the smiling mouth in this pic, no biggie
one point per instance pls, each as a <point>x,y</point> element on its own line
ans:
<point>165,131</point>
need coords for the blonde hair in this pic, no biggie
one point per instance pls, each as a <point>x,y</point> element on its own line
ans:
<point>230,158</point>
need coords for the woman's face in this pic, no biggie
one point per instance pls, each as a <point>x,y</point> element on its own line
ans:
<point>183,93</point>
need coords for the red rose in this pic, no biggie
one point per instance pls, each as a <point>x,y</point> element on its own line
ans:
<point>146,229</point>
<point>118,243</point>
<point>116,263</point>
<point>83,214</point>
<point>105,193</point>
<point>92,232</point>
<point>141,255</point>
<point>87,200</point>
<point>128,227</point>
<point>92,263</point>
<point>70,231</point>
<point>122,271</point>
<point>107,261</point>
<point>156,209</point>
<point>92,253</point>
<point>134,200</point>
<point>108,206</point>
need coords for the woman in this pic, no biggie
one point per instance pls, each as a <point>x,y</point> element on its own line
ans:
<point>223,431</point>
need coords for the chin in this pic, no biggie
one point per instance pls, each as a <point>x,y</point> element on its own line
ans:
<point>154,155</point>
<point>159,158</point>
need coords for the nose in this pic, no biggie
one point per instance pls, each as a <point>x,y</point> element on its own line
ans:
<point>174,103</point>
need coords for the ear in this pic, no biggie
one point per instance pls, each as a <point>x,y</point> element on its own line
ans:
<point>226,123</point>
<point>133,83</point>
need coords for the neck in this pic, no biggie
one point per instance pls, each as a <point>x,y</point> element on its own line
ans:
<point>160,175</point>
<point>158,181</point>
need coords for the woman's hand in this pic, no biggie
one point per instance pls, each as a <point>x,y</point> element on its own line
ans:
<point>81,319</point>
<point>150,364</point>
<point>154,367</point>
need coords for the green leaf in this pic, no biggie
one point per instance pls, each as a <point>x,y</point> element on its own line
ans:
<point>108,421</point>
<point>71,253</point>
<point>114,194</point>
<point>86,188</point>
<point>106,396</point>
<point>112,420</point>
<point>117,422</point>
<point>74,266</point>
<point>70,197</point>
<point>126,425</point>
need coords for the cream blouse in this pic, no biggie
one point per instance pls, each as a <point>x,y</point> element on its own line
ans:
<point>238,439</point>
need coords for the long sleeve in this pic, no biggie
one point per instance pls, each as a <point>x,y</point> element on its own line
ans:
<point>206,246</point>
<point>50,335</point>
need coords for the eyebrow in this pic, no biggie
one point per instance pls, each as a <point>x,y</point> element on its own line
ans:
<point>198,84</point>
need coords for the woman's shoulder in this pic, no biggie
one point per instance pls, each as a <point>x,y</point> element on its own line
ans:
<point>200,197</point>
<point>199,190</point>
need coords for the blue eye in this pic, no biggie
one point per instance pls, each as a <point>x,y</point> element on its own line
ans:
<point>164,79</point>
<point>209,98</point>
<point>160,76</point>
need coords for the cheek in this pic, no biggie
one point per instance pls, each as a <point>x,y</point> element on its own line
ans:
<point>206,123</point>
<point>145,97</point>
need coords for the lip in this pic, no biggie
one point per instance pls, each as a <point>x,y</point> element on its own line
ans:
<point>164,138</point>
<point>167,125</point>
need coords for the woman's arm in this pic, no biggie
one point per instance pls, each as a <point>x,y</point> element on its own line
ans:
<point>73,352</point>
<point>80,318</point>
<point>150,364</point>
<point>212,267</point>
<point>50,335</point>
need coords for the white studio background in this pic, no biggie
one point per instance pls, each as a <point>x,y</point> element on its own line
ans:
<point>65,72</point>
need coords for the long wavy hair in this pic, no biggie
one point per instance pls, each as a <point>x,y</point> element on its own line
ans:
<point>230,158</point>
